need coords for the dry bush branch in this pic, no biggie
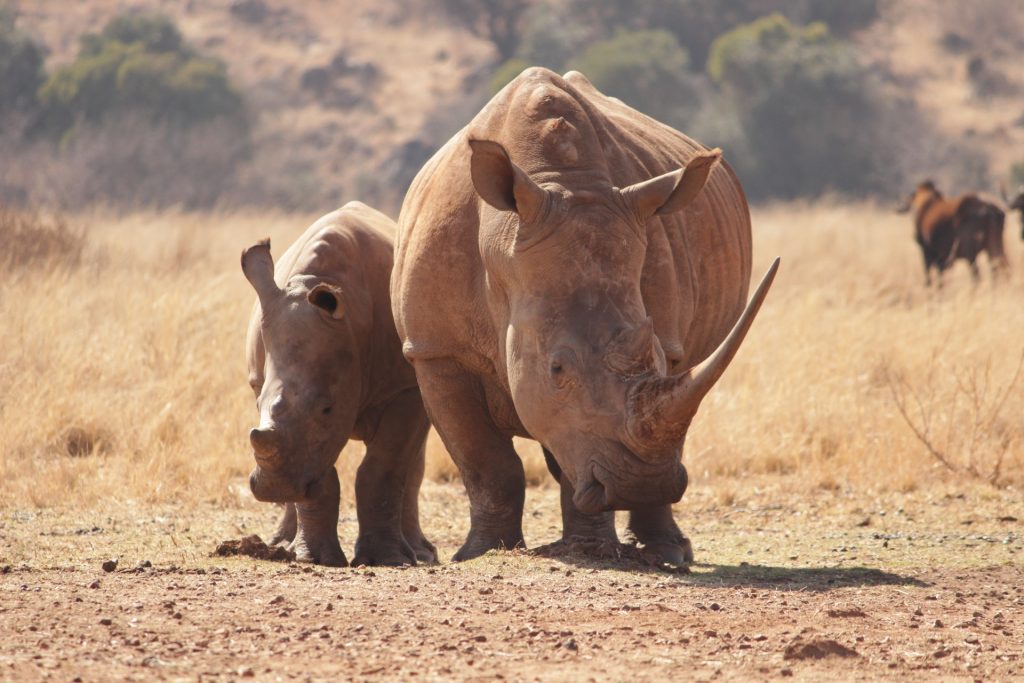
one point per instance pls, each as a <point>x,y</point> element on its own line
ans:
<point>970,410</point>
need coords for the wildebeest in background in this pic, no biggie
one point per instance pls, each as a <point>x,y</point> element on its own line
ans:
<point>950,229</point>
<point>1015,204</point>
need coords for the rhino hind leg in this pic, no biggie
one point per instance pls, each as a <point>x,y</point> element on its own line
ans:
<point>659,535</point>
<point>286,527</point>
<point>575,523</point>
<point>489,465</point>
<point>387,488</point>
<point>316,537</point>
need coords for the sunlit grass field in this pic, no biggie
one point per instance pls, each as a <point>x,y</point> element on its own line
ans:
<point>122,368</point>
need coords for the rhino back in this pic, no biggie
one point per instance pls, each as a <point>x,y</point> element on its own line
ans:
<point>697,271</point>
<point>698,264</point>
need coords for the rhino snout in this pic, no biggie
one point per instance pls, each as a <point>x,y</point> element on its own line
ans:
<point>605,491</point>
<point>266,445</point>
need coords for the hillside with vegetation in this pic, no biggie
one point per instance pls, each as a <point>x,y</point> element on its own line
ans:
<point>306,105</point>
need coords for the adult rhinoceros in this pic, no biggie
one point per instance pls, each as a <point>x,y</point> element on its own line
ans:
<point>562,266</point>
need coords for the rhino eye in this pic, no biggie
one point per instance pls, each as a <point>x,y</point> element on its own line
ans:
<point>327,410</point>
<point>561,366</point>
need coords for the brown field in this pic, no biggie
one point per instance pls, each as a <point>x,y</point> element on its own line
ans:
<point>817,513</point>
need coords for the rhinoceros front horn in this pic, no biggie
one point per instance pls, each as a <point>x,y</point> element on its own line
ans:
<point>660,409</point>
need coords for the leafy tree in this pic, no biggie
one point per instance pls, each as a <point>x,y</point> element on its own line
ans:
<point>646,69</point>
<point>499,21</point>
<point>507,72</point>
<point>1017,175</point>
<point>139,65</point>
<point>21,66</point>
<point>810,111</point>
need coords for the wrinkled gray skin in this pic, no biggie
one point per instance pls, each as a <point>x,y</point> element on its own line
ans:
<point>325,364</point>
<point>563,265</point>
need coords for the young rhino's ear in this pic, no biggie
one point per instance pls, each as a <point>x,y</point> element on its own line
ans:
<point>258,267</point>
<point>328,298</point>
<point>672,191</point>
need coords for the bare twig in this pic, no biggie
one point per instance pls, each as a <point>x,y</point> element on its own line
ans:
<point>970,412</point>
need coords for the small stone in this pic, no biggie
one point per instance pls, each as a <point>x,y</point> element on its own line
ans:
<point>106,621</point>
<point>939,624</point>
<point>715,607</point>
<point>95,584</point>
<point>413,589</point>
<point>486,590</point>
<point>110,565</point>
<point>246,672</point>
<point>786,673</point>
<point>571,645</point>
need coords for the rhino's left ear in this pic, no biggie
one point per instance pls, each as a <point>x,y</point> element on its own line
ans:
<point>328,298</point>
<point>672,191</point>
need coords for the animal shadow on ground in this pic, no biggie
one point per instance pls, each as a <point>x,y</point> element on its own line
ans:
<point>587,553</point>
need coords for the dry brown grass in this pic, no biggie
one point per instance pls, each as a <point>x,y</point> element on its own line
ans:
<point>123,377</point>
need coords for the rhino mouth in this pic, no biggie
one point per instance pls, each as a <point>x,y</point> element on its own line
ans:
<point>591,498</point>
<point>600,491</point>
<point>271,487</point>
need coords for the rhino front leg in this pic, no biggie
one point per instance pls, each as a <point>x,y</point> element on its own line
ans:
<point>574,522</point>
<point>490,467</point>
<point>656,530</point>
<point>316,537</point>
<point>393,464</point>
<point>286,527</point>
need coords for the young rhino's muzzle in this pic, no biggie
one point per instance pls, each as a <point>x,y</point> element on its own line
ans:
<point>272,481</point>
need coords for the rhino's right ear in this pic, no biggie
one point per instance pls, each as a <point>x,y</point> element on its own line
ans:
<point>258,266</point>
<point>501,183</point>
<point>672,191</point>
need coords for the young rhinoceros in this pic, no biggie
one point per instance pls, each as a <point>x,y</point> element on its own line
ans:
<point>326,364</point>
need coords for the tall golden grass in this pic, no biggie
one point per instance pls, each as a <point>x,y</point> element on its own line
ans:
<point>122,373</point>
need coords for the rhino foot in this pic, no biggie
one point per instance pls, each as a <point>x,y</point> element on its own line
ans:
<point>477,544</point>
<point>383,551</point>
<point>672,554</point>
<point>326,551</point>
<point>424,550</point>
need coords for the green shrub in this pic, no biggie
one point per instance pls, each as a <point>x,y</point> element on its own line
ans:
<point>21,66</point>
<point>506,73</point>
<point>1017,175</point>
<point>138,65</point>
<point>648,70</point>
<point>810,111</point>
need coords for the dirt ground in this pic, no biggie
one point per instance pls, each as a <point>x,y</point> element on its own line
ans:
<point>925,585</point>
